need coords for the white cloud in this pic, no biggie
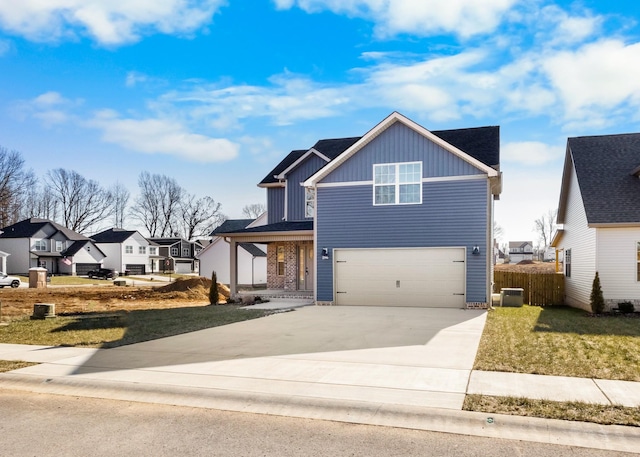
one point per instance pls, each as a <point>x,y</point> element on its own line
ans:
<point>596,79</point>
<point>109,22</point>
<point>530,153</point>
<point>419,17</point>
<point>162,136</point>
<point>51,108</point>
<point>133,78</point>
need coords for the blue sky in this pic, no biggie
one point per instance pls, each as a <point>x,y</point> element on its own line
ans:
<point>214,93</point>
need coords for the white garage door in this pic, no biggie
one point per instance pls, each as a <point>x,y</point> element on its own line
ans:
<point>428,277</point>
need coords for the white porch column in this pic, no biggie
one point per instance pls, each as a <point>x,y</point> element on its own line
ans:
<point>233,268</point>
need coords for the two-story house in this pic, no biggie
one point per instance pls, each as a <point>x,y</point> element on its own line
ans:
<point>520,250</point>
<point>43,243</point>
<point>127,251</point>
<point>177,254</point>
<point>401,216</point>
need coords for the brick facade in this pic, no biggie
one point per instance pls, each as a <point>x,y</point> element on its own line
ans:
<point>289,280</point>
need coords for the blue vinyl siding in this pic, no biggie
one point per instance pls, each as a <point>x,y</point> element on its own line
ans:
<point>295,192</point>
<point>453,213</point>
<point>399,143</point>
<point>275,204</point>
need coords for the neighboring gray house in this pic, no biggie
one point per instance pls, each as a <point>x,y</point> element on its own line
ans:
<point>252,258</point>
<point>43,243</point>
<point>401,216</point>
<point>177,254</point>
<point>599,211</point>
<point>126,250</point>
<point>520,250</point>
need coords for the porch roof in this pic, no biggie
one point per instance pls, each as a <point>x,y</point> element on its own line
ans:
<point>280,231</point>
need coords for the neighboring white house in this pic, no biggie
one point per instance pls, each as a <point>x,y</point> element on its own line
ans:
<point>43,243</point>
<point>126,250</point>
<point>599,211</point>
<point>520,250</point>
<point>252,258</point>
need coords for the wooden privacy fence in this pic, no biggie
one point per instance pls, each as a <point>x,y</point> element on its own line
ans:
<point>540,289</point>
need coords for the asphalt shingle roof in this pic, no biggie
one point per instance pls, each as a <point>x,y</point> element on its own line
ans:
<point>231,225</point>
<point>481,143</point>
<point>285,226</point>
<point>29,227</point>
<point>113,235</point>
<point>604,166</point>
<point>252,249</point>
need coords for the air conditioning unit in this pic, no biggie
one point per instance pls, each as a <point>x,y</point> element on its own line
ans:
<point>513,297</point>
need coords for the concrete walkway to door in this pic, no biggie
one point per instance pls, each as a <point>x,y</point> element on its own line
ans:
<point>406,356</point>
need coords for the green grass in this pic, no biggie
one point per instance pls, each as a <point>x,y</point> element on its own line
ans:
<point>560,341</point>
<point>121,328</point>
<point>575,411</point>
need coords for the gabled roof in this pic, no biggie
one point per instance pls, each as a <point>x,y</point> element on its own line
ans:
<point>519,244</point>
<point>231,225</point>
<point>252,249</point>
<point>486,147</point>
<point>77,246</point>
<point>29,227</point>
<point>283,165</point>
<point>167,241</point>
<point>604,167</point>
<point>113,235</point>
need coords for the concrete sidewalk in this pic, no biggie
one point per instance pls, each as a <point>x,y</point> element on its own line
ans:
<point>400,367</point>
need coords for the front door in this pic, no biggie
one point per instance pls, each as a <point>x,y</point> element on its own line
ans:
<point>305,266</point>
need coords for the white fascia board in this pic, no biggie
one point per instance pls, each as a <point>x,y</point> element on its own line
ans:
<point>381,127</point>
<point>302,158</point>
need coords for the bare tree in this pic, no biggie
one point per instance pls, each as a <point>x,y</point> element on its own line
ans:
<point>15,185</point>
<point>40,203</point>
<point>83,203</point>
<point>498,231</point>
<point>254,210</point>
<point>157,206</point>
<point>545,226</point>
<point>198,216</point>
<point>120,198</point>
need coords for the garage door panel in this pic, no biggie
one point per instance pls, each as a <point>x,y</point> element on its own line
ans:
<point>400,277</point>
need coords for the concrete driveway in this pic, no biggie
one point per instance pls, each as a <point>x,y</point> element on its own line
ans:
<point>407,356</point>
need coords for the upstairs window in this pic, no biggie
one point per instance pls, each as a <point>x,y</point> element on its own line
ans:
<point>397,183</point>
<point>186,252</point>
<point>309,201</point>
<point>567,263</point>
<point>59,246</point>
<point>128,249</point>
<point>153,250</point>
<point>175,251</point>
<point>142,249</point>
<point>41,245</point>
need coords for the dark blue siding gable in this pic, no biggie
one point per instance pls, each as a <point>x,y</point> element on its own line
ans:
<point>400,143</point>
<point>275,204</point>
<point>453,214</point>
<point>295,192</point>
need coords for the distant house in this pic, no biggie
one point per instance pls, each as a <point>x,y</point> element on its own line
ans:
<point>43,243</point>
<point>251,261</point>
<point>126,250</point>
<point>520,250</point>
<point>401,216</point>
<point>177,255</point>
<point>599,210</point>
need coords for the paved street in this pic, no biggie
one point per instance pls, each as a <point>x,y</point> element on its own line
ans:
<point>41,424</point>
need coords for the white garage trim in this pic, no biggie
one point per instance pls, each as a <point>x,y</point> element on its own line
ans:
<point>423,277</point>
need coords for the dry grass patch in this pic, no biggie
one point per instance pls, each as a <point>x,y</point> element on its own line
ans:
<point>574,411</point>
<point>10,365</point>
<point>560,341</point>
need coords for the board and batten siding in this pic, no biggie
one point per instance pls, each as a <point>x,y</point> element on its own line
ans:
<point>400,143</point>
<point>581,240</point>
<point>275,204</point>
<point>295,192</point>
<point>618,262</point>
<point>453,214</point>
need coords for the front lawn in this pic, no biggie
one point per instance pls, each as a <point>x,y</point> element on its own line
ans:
<point>560,341</point>
<point>112,329</point>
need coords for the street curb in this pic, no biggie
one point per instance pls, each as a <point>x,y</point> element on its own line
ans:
<point>549,431</point>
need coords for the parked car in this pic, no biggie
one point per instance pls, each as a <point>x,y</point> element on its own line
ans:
<point>103,273</point>
<point>9,281</point>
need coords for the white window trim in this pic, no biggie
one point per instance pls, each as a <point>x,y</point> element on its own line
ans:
<point>397,184</point>
<point>128,249</point>
<point>38,244</point>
